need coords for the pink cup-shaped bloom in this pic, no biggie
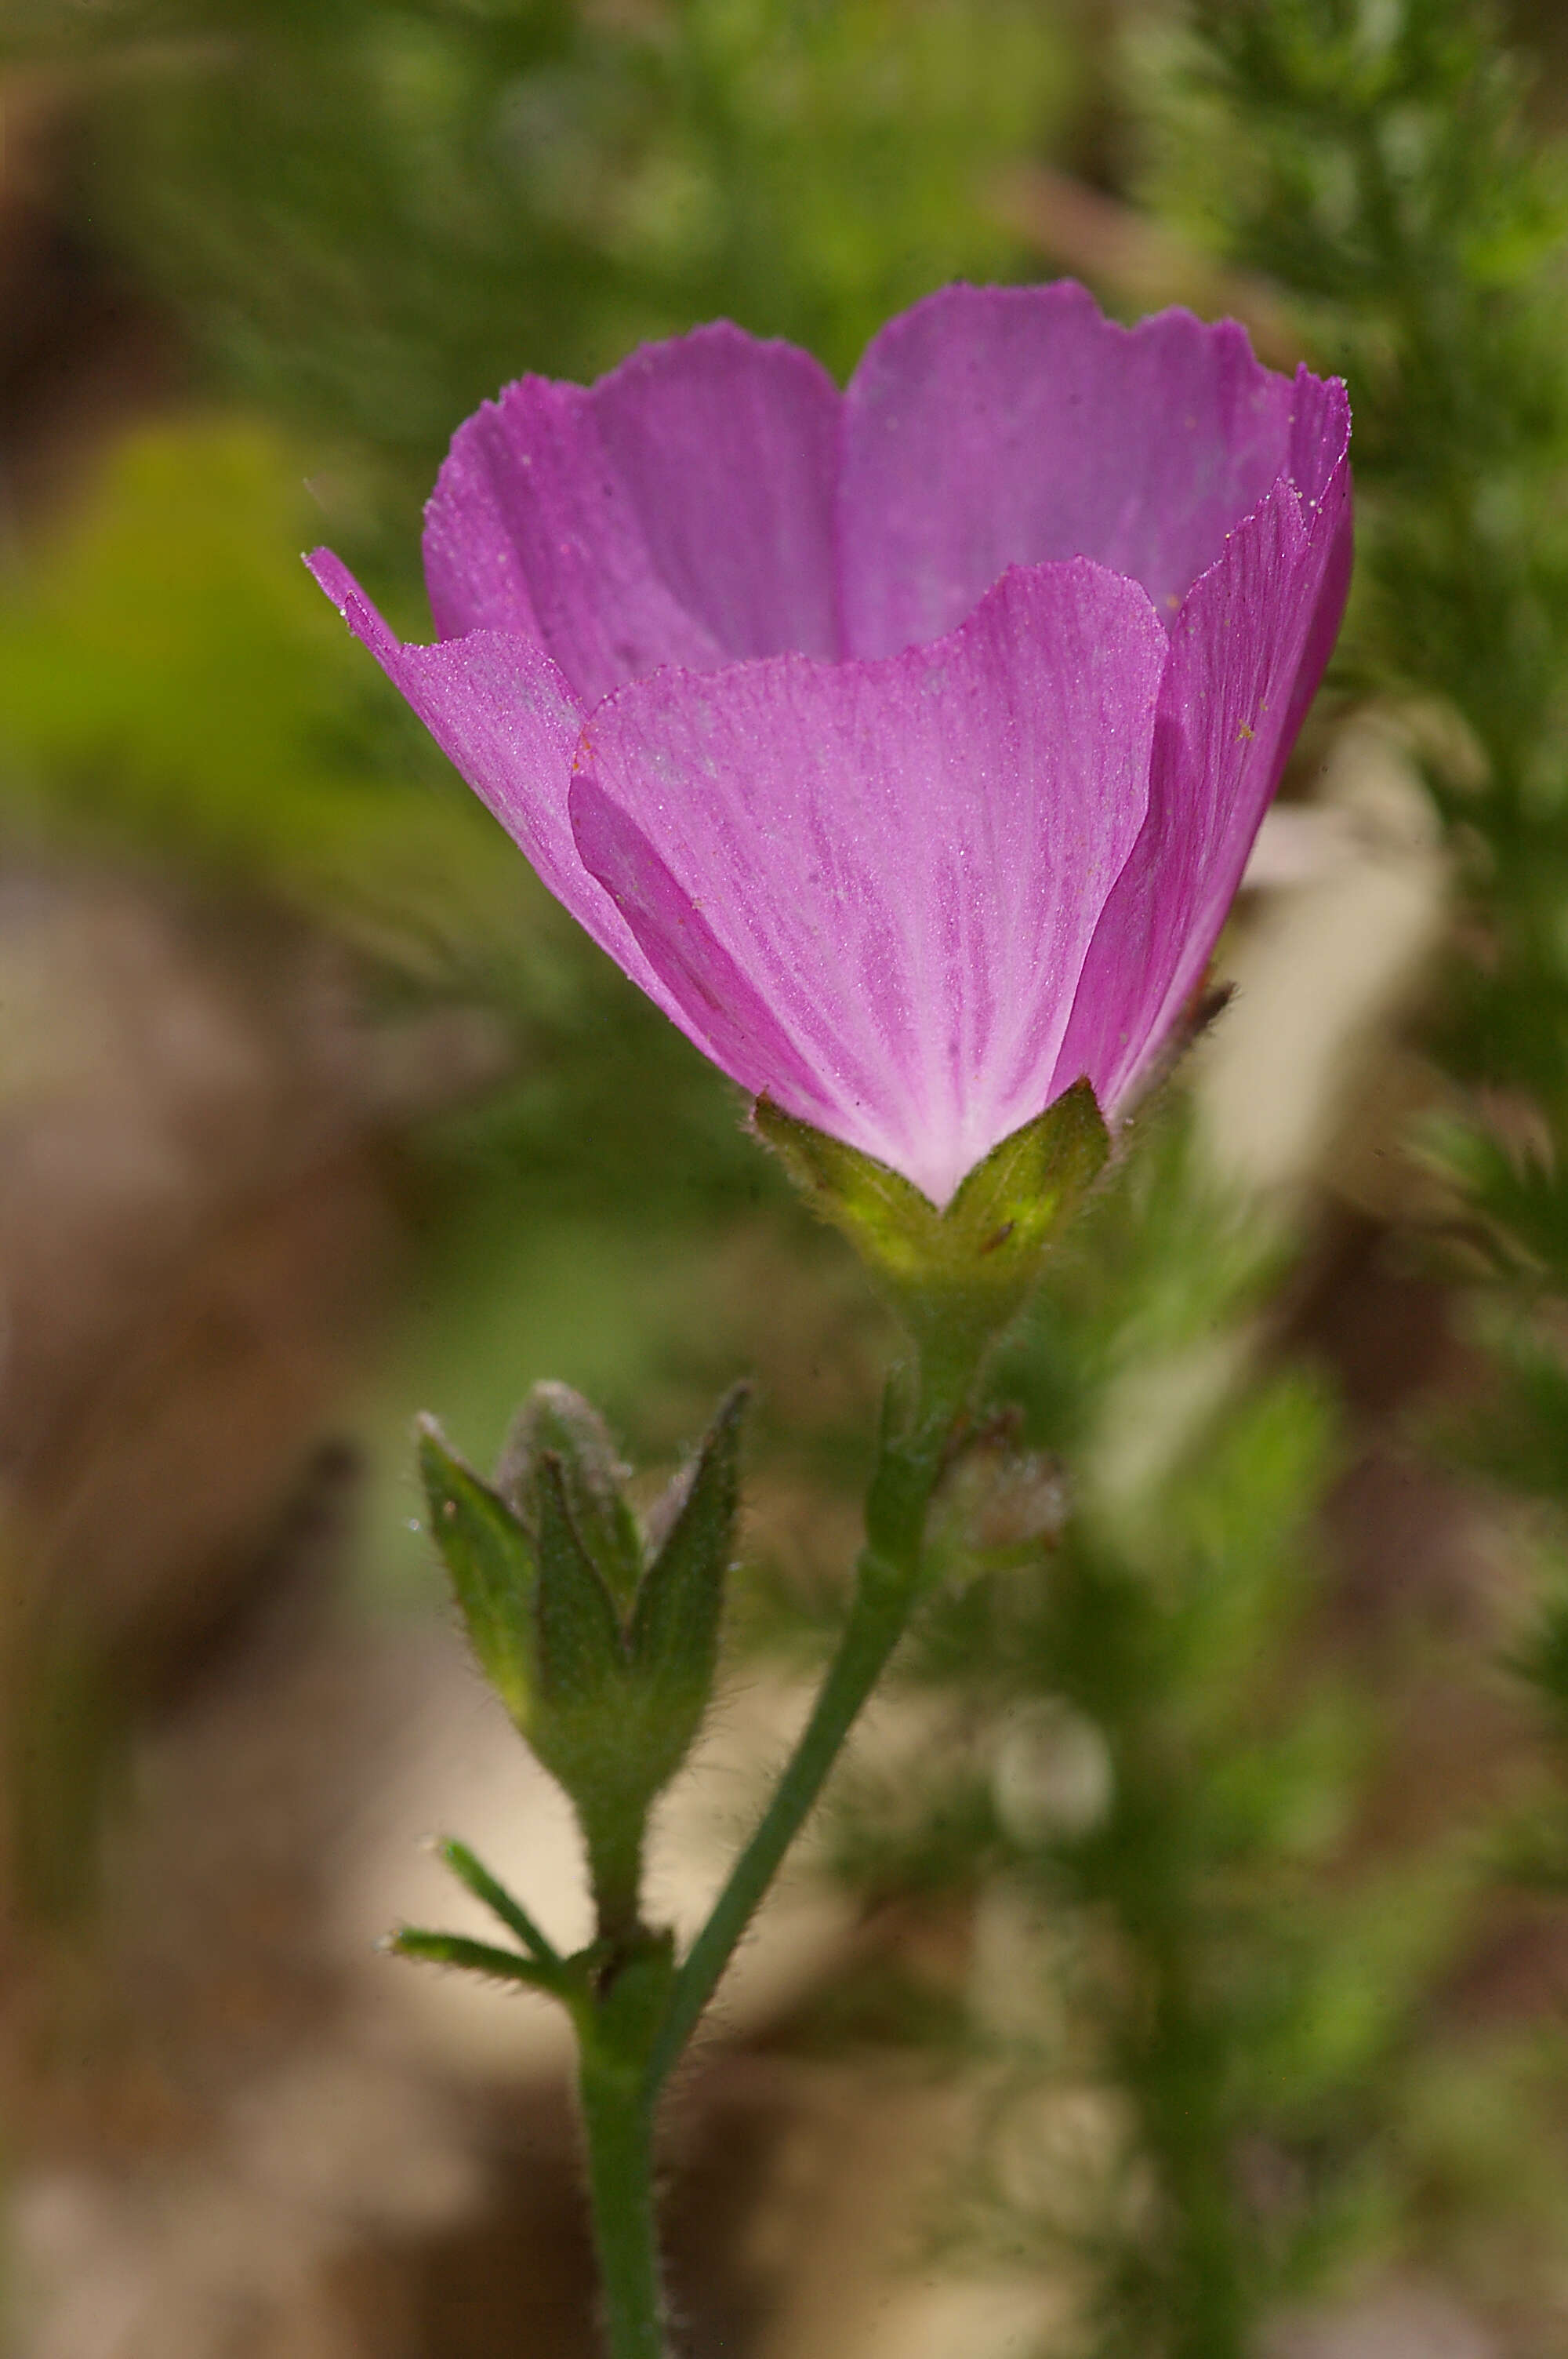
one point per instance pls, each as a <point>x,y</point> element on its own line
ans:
<point>906,743</point>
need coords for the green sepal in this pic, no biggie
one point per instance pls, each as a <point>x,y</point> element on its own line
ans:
<point>554,1421</point>
<point>492,1566</point>
<point>580,1728</point>
<point>674,1638</point>
<point>580,1650</point>
<point>1007,1208</point>
<point>890,1224</point>
<point>968,1267</point>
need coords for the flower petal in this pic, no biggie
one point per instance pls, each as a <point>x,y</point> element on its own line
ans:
<point>871,887</point>
<point>1247,654</point>
<point>1003,426</point>
<point>502,714</point>
<point>679,511</point>
<point>715,1005</point>
<point>729,449</point>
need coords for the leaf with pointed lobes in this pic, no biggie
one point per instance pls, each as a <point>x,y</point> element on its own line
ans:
<point>581,1652</point>
<point>554,1421</point>
<point>673,1642</point>
<point>492,1566</point>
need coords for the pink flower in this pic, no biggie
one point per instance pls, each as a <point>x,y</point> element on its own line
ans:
<point>904,744</point>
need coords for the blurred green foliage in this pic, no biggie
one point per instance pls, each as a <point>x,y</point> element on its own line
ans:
<point>1379,166</point>
<point>170,677</point>
<point>371,218</point>
<point>1385,167</point>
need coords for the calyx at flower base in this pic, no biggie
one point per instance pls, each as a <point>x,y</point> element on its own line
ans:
<point>956,1274</point>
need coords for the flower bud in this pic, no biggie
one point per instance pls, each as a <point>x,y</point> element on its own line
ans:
<point>606,1666</point>
<point>556,1422</point>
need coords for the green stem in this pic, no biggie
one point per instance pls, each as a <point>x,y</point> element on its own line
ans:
<point>618,2123</point>
<point>870,1636</point>
<point>634,2026</point>
<point>614,1839</point>
<point>886,1586</point>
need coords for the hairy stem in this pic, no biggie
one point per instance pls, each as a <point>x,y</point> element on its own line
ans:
<point>886,1586</point>
<point>635,2025</point>
<point>614,1839</point>
<point>618,2123</point>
